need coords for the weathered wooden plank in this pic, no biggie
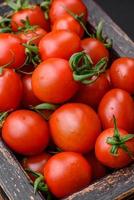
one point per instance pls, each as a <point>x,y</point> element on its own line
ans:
<point>122,44</point>
<point>13,179</point>
<point>116,186</point>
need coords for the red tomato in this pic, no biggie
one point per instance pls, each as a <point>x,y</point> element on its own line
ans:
<point>103,154</point>
<point>34,14</point>
<point>95,49</point>
<point>32,36</point>
<point>92,94</point>
<point>66,173</point>
<point>12,51</point>
<point>28,96</point>
<point>59,44</point>
<point>75,127</point>
<point>98,169</point>
<point>107,75</point>
<point>119,103</point>
<point>122,74</point>
<point>26,132</point>
<point>36,163</point>
<point>57,9</point>
<point>52,81</point>
<point>67,22</point>
<point>10,90</point>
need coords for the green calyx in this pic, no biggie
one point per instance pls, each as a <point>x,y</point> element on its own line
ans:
<point>42,107</point>
<point>45,5</point>
<point>32,53</point>
<point>83,69</point>
<point>79,19</point>
<point>39,183</point>
<point>5,25</point>
<point>3,116</point>
<point>118,141</point>
<point>99,35</point>
<point>27,26</point>
<point>17,5</point>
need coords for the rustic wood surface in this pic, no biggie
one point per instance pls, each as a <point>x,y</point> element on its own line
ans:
<point>119,185</point>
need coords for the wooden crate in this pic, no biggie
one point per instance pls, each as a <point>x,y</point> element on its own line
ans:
<point>14,183</point>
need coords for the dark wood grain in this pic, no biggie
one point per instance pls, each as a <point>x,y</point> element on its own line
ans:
<point>13,179</point>
<point>119,185</point>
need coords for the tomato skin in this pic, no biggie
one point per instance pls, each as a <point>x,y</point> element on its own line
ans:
<point>92,94</point>
<point>66,173</point>
<point>52,81</point>
<point>122,74</point>
<point>119,103</point>
<point>62,44</point>
<point>75,127</point>
<point>12,51</point>
<point>36,163</point>
<point>98,169</point>
<point>57,9</point>
<point>35,15</point>
<point>28,96</point>
<point>102,150</point>
<point>95,49</point>
<point>67,22</point>
<point>26,132</point>
<point>10,90</point>
<point>32,36</point>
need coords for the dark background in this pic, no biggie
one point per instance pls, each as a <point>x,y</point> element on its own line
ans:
<point>122,12</point>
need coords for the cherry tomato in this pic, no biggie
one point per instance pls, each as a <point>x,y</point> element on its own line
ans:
<point>12,51</point>
<point>36,163</point>
<point>122,74</point>
<point>75,127</point>
<point>52,81</point>
<point>28,96</point>
<point>10,90</point>
<point>92,94</point>
<point>107,75</point>
<point>66,173</point>
<point>32,36</point>
<point>103,150</point>
<point>58,8</point>
<point>35,16</point>
<point>59,44</point>
<point>98,169</point>
<point>67,22</point>
<point>119,103</point>
<point>26,132</point>
<point>95,49</point>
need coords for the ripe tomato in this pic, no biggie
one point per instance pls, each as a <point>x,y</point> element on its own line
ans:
<point>58,8</point>
<point>32,36</point>
<point>59,44</point>
<point>26,132</point>
<point>12,51</point>
<point>103,150</point>
<point>67,22</point>
<point>122,74</point>
<point>34,14</point>
<point>52,81</point>
<point>75,127</point>
<point>28,96</point>
<point>36,163</point>
<point>107,75</point>
<point>98,169</point>
<point>95,49</point>
<point>66,173</point>
<point>10,90</point>
<point>92,94</point>
<point>119,103</point>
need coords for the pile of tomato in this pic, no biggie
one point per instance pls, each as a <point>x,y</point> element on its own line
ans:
<point>64,105</point>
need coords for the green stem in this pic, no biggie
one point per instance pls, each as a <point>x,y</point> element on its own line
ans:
<point>46,106</point>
